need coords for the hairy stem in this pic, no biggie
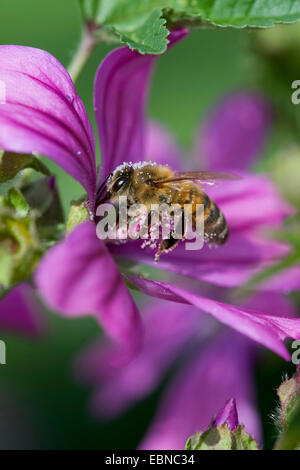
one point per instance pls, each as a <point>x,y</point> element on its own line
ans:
<point>87,43</point>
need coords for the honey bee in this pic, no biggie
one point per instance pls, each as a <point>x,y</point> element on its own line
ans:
<point>149,183</point>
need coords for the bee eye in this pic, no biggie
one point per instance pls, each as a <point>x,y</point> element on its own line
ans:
<point>120,183</point>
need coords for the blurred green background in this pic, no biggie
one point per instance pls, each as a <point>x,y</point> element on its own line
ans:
<point>41,405</point>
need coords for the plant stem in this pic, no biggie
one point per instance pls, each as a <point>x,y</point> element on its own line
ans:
<point>87,43</point>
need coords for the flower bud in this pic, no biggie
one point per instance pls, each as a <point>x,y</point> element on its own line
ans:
<point>289,396</point>
<point>225,433</point>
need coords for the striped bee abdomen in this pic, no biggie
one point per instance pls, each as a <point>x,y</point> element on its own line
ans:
<point>215,225</point>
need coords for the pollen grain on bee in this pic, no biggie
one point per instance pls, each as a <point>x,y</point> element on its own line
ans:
<point>122,222</point>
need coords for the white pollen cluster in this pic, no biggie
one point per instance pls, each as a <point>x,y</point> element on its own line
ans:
<point>209,236</point>
<point>135,166</point>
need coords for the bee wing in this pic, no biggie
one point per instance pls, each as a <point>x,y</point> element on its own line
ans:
<point>208,177</point>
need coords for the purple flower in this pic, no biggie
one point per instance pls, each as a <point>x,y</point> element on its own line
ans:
<point>21,313</point>
<point>213,373</point>
<point>43,113</point>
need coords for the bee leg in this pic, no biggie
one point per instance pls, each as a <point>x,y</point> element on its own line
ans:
<point>165,247</point>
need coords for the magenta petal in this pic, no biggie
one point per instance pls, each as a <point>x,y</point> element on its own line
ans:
<point>239,201</point>
<point>41,112</point>
<point>78,277</point>
<point>160,146</point>
<point>274,303</point>
<point>221,371</point>
<point>228,414</point>
<point>120,94</point>
<point>267,330</point>
<point>177,35</point>
<point>168,328</point>
<point>285,281</point>
<point>234,134</point>
<point>230,265</point>
<point>20,312</point>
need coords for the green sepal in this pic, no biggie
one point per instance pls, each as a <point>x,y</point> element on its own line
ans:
<point>79,213</point>
<point>42,196</point>
<point>289,414</point>
<point>241,440</point>
<point>17,201</point>
<point>289,438</point>
<point>6,267</point>
<point>288,393</point>
<point>222,438</point>
<point>12,163</point>
<point>215,438</point>
<point>20,244</point>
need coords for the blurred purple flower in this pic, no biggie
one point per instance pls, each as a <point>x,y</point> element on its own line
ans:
<point>211,374</point>
<point>221,370</point>
<point>168,329</point>
<point>247,115</point>
<point>21,313</point>
<point>212,368</point>
<point>43,113</point>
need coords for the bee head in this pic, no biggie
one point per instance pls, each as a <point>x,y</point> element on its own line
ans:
<point>119,182</point>
<point>129,177</point>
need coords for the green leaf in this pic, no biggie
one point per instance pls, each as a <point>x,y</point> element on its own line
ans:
<point>12,163</point>
<point>140,23</point>
<point>150,37</point>
<point>241,13</point>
